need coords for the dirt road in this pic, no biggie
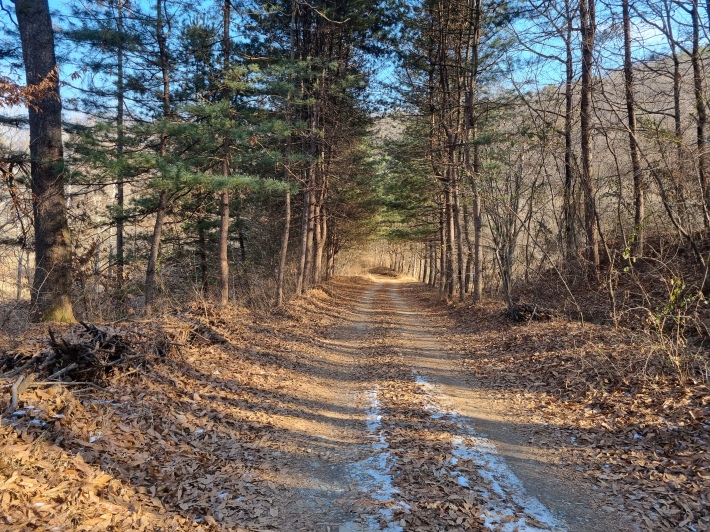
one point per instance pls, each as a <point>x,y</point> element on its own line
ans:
<point>410,442</point>
<point>349,412</point>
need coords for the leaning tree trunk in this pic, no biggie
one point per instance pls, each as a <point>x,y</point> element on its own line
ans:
<point>52,284</point>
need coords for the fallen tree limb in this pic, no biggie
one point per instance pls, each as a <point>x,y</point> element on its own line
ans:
<point>37,384</point>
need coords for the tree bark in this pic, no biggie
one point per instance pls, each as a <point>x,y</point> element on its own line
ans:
<point>472,155</point>
<point>52,284</point>
<point>310,230</point>
<point>202,253</point>
<point>570,249</point>
<point>701,113</point>
<point>164,194</point>
<point>639,200</point>
<point>301,281</point>
<point>284,250</point>
<point>441,255</point>
<point>120,255</point>
<point>459,241</point>
<point>588,31</point>
<point>154,252</point>
<point>226,148</point>
<point>469,249</point>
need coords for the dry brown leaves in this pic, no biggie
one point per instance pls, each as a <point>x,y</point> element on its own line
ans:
<point>186,443</point>
<point>198,439</point>
<point>608,400</point>
<point>421,445</point>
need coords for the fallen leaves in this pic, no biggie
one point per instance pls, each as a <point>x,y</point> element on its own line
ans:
<point>218,431</point>
<point>629,423</point>
<point>187,442</point>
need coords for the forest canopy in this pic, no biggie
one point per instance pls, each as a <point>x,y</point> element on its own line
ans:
<point>235,150</point>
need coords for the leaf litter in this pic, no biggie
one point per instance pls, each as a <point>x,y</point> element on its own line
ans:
<point>208,431</point>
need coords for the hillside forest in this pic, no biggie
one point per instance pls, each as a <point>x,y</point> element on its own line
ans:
<point>197,198</point>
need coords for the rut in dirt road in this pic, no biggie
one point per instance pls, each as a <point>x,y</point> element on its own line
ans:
<point>428,467</point>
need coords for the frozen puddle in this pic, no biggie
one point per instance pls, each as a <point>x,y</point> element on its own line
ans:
<point>372,474</point>
<point>509,507</point>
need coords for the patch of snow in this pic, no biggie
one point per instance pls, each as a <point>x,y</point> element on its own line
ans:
<point>509,507</point>
<point>374,472</point>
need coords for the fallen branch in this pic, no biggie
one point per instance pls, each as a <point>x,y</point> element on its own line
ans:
<point>21,369</point>
<point>37,384</point>
<point>61,372</point>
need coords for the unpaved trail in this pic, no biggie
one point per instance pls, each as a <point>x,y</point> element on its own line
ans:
<point>412,444</point>
<point>346,413</point>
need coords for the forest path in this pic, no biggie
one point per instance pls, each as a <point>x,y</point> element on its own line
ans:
<point>350,411</point>
<point>420,447</point>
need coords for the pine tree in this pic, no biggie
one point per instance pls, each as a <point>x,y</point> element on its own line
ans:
<point>51,288</point>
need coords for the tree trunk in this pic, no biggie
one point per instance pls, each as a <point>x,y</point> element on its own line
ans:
<point>52,284</point>
<point>450,240</point>
<point>588,31</point>
<point>154,251</point>
<point>224,244</point>
<point>319,238</point>
<point>459,241</point>
<point>310,229</point>
<point>202,253</point>
<point>301,281</point>
<point>120,255</point>
<point>472,155</point>
<point>701,114</point>
<point>441,255</point>
<point>425,263</point>
<point>163,199</point>
<point>469,249</point>
<point>570,249</point>
<point>639,203</point>
<point>477,228</point>
<point>20,257</point>
<point>224,196</point>
<point>284,250</point>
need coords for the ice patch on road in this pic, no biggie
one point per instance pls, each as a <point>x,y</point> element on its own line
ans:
<point>373,473</point>
<point>509,508</point>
